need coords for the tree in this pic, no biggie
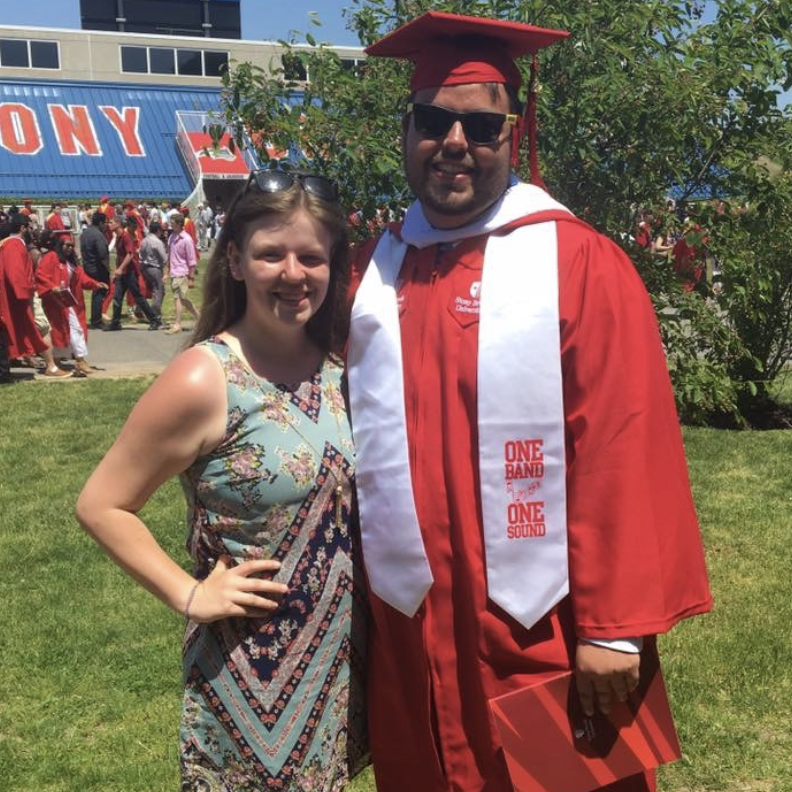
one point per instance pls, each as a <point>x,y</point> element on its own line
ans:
<point>643,99</point>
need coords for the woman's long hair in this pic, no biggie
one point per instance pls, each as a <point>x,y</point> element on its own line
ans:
<point>225,298</point>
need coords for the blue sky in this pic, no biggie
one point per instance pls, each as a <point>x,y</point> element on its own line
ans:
<point>261,19</point>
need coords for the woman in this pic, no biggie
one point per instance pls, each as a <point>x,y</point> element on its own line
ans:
<point>252,417</point>
<point>60,283</point>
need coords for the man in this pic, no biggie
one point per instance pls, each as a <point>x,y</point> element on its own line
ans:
<point>217,222</point>
<point>96,261</point>
<point>181,270</point>
<point>105,207</point>
<point>54,221</point>
<point>205,217</point>
<point>153,258</point>
<point>17,288</point>
<point>126,276</point>
<point>173,210</point>
<point>133,215</point>
<point>5,360</point>
<point>524,500</point>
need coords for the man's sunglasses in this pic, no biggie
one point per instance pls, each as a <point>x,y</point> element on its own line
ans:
<point>481,128</point>
<point>273,181</point>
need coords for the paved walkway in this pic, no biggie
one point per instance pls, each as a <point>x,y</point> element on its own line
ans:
<point>134,351</point>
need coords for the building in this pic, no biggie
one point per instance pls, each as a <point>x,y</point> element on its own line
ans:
<point>210,18</point>
<point>85,113</point>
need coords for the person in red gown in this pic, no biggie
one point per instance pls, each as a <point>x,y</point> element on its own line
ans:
<point>105,207</point>
<point>634,561</point>
<point>127,277</point>
<point>137,227</point>
<point>17,288</point>
<point>689,253</point>
<point>60,284</point>
<point>189,227</point>
<point>54,221</point>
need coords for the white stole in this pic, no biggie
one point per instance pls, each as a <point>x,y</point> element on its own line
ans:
<point>520,415</point>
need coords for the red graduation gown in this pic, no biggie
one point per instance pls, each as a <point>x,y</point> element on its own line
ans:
<point>635,558</point>
<point>53,273</point>
<point>54,222</point>
<point>16,292</point>
<point>189,227</point>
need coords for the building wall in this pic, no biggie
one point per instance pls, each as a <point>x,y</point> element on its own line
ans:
<point>96,55</point>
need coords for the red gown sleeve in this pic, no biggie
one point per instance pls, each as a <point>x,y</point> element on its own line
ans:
<point>635,553</point>
<point>48,275</point>
<point>82,280</point>
<point>19,271</point>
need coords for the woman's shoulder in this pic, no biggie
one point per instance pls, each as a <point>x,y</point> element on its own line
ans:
<point>194,375</point>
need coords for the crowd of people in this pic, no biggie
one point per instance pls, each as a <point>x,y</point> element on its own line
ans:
<point>124,253</point>
<point>675,235</point>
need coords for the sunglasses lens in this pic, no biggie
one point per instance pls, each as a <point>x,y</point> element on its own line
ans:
<point>320,187</point>
<point>271,181</point>
<point>483,127</point>
<point>432,121</point>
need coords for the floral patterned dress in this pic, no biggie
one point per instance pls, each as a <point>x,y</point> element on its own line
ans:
<point>277,704</point>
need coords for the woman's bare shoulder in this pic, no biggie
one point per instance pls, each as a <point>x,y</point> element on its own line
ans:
<point>188,397</point>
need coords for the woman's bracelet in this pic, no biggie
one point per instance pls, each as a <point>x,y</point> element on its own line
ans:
<point>190,597</point>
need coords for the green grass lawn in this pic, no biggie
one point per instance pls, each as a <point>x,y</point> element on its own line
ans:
<point>90,681</point>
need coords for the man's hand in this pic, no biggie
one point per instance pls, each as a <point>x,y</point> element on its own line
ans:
<point>601,673</point>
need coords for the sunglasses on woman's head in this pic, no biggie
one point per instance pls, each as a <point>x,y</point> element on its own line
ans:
<point>482,128</point>
<point>273,181</point>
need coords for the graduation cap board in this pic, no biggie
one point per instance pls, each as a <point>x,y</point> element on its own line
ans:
<point>450,49</point>
<point>551,746</point>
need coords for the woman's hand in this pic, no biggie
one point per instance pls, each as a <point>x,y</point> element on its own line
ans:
<point>601,673</point>
<point>237,591</point>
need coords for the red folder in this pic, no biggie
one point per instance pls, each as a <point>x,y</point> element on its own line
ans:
<point>551,746</point>
<point>66,298</point>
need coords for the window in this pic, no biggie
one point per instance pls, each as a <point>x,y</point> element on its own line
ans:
<point>190,62</point>
<point>162,61</point>
<point>14,52</point>
<point>167,60</point>
<point>134,59</point>
<point>293,67</point>
<point>44,55</point>
<point>26,54</point>
<point>354,65</point>
<point>215,63</point>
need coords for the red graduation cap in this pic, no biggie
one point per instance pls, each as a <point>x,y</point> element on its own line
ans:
<point>64,235</point>
<point>450,49</point>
